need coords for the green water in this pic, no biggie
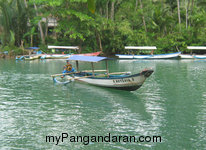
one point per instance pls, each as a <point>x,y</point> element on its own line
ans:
<point>171,104</point>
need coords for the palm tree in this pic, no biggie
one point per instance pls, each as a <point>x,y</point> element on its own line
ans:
<point>6,21</point>
<point>13,20</point>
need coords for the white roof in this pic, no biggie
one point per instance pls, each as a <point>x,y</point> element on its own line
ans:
<point>64,47</point>
<point>197,47</point>
<point>140,47</point>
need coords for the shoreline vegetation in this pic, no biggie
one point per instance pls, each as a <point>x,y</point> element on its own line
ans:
<point>107,26</point>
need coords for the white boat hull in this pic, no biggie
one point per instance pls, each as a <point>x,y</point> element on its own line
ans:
<point>59,56</point>
<point>200,56</point>
<point>160,56</point>
<point>165,56</point>
<point>65,56</point>
<point>125,56</point>
<point>129,83</point>
<point>187,56</point>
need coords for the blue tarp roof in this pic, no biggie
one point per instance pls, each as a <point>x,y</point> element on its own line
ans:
<point>87,58</point>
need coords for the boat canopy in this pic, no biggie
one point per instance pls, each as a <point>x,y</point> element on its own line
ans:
<point>141,47</point>
<point>87,58</point>
<point>32,48</point>
<point>64,47</point>
<point>197,47</point>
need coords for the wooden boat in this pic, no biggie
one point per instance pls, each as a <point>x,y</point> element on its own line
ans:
<point>159,56</point>
<point>133,56</point>
<point>34,53</point>
<point>65,56</point>
<point>32,57</point>
<point>58,56</point>
<point>200,56</point>
<point>186,56</point>
<point>165,56</point>
<point>90,54</point>
<point>117,80</point>
<point>194,56</point>
<point>19,57</point>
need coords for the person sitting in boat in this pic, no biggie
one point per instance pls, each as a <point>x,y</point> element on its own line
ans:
<point>152,52</point>
<point>68,69</point>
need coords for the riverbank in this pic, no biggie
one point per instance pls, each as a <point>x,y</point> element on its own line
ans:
<point>4,56</point>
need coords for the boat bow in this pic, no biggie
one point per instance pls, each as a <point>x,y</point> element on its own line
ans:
<point>147,72</point>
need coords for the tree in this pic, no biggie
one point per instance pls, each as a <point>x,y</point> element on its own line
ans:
<point>106,25</point>
<point>178,9</point>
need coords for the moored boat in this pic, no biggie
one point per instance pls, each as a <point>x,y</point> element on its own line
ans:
<point>165,56</point>
<point>19,57</point>
<point>34,53</point>
<point>186,56</point>
<point>59,48</point>
<point>160,56</point>
<point>194,56</point>
<point>65,56</point>
<point>58,56</point>
<point>122,80</point>
<point>151,56</point>
<point>133,56</point>
<point>90,54</point>
<point>200,56</point>
<point>32,57</point>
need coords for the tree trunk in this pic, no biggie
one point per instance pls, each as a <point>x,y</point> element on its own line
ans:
<point>187,8</point>
<point>31,36</point>
<point>25,4</point>
<point>46,28</point>
<point>191,11</point>
<point>107,10</point>
<point>40,27</point>
<point>112,10</point>
<point>22,45</point>
<point>136,4</point>
<point>100,42</point>
<point>100,11</point>
<point>192,6</point>
<point>178,10</point>
<point>143,19</point>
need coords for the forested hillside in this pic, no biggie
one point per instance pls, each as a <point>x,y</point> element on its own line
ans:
<point>107,25</point>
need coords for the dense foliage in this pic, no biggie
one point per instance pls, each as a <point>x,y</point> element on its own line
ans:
<point>107,25</point>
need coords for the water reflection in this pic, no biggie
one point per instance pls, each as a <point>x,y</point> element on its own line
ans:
<point>200,128</point>
<point>124,112</point>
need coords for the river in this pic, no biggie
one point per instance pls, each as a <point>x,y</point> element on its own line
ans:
<point>171,104</point>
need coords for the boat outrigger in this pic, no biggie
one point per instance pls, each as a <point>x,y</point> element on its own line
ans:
<point>117,80</point>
